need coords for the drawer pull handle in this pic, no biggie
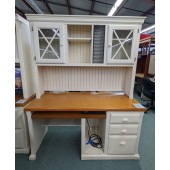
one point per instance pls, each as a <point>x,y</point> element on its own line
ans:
<point>124,131</point>
<point>122,143</point>
<point>125,120</point>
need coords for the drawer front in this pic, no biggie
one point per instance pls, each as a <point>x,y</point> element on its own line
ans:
<point>125,118</point>
<point>19,138</point>
<point>122,145</point>
<point>123,129</point>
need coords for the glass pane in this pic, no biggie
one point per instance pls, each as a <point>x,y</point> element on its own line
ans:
<point>47,33</point>
<point>50,50</point>
<point>49,54</point>
<point>56,46</point>
<point>128,46</point>
<point>122,34</point>
<point>115,47</point>
<point>121,55</point>
<point>125,38</point>
<point>43,45</point>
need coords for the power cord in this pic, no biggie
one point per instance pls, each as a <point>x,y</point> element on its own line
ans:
<point>94,139</point>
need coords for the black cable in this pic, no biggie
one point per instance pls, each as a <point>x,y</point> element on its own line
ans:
<point>94,139</point>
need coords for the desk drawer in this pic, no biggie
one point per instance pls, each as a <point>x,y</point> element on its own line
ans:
<point>123,129</point>
<point>124,118</point>
<point>122,145</point>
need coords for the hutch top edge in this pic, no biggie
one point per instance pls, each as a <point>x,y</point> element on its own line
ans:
<point>85,18</point>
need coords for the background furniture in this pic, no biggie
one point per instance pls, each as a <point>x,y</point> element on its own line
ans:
<point>146,55</point>
<point>149,91</point>
<point>146,61</point>
<point>86,54</point>
<point>23,62</point>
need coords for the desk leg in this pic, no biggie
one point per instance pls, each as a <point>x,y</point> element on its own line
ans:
<point>36,132</point>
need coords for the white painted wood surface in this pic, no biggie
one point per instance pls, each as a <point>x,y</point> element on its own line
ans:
<point>22,144</point>
<point>83,78</point>
<point>23,44</point>
<point>36,132</point>
<point>79,52</point>
<point>79,31</point>
<point>122,145</point>
<point>120,138</point>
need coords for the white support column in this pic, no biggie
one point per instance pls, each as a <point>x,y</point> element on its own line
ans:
<point>37,133</point>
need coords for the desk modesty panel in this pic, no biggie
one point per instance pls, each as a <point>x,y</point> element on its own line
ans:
<point>83,101</point>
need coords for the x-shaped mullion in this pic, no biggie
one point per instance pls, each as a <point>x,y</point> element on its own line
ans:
<point>57,32</point>
<point>121,44</point>
<point>49,43</point>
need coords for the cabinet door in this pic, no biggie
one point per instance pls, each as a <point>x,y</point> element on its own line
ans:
<point>49,42</point>
<point>121,44</point>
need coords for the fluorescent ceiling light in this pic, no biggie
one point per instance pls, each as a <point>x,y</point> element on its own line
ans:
<point>147,29</point>
<point>115,6</point>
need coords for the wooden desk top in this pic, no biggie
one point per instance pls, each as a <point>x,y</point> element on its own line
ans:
<point>82,101</point>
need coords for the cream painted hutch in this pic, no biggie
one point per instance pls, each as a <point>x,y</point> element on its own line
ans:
<point>94,54</point>
<point>24,62</point>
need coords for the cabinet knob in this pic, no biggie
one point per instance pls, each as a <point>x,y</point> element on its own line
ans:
<point>124,131</point>
<point>122,143</point>
<point>109,45</point>
<point>125,119</point>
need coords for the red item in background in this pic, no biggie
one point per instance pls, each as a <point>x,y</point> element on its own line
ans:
<point>143,36</point>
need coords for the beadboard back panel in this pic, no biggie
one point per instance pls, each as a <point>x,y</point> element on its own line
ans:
<point>83,78</point>
<point>79,31</point>
<point>79,43</point>
<point>79,52</point>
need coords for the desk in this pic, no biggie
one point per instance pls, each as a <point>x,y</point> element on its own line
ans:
<point>115,112</point>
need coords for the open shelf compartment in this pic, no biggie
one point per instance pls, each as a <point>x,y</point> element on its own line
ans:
<point>97,126</point>
<point>79,43</point>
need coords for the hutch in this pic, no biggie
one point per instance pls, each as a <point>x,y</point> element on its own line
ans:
<point>75,55</point>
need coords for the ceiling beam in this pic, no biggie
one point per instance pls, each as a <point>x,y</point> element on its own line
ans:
<point>29,6</point>
<point>73,7</point>
<point>68,6</point>
<point>20,12</point>
<point>137,10</point>
<point>149,23</point>
<point>45,2</point>
<point>92,7</point>
<point>121,5</point>
<point>102,2</point>
<point>149,11</point>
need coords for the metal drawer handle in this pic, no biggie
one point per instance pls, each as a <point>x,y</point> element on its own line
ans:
<point>122,143</point>
<point>125,119</point>
<point>124,131</point>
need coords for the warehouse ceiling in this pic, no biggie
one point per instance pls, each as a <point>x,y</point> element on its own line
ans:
<point>88,7</point>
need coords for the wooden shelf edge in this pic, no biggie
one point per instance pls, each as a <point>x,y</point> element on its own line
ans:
<point>67,115</point>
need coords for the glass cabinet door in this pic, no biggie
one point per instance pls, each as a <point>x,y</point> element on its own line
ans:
<point>121,44</point>
<point>49,43</point>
